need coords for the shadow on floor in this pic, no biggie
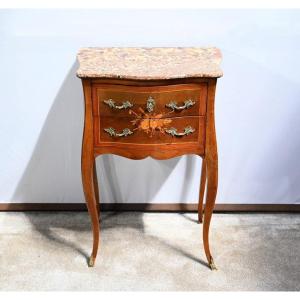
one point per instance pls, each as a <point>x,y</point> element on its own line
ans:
<point>46,223</point>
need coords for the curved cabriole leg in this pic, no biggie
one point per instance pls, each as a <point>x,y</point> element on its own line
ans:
<point>96,187</point>
<point>212,184</point>
<point>211,159</point>
<point>87,170</point>
<point>202,190</point>
<point>90,197</point>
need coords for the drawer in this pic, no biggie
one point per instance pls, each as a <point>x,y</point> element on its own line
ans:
<point>170,101</point>
<point>149,131</point>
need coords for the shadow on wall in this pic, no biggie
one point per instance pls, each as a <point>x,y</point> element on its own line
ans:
<point>53,173</point>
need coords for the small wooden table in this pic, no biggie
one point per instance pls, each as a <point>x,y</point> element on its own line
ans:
<point>156,102</point>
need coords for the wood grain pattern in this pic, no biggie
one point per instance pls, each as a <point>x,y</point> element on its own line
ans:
<point>138,97</point>
<point>96,187</point>
<point>150,82</point>
<point>141,151</point>
<point>145,135</point>
<point>211,160</point>
<point>145,83</point>
<point>201,191</point>
<point>87,168</point>
<point>149,136</point>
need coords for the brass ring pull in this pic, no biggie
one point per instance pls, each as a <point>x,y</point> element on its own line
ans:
<point>111,104</point>
<point>111,131</point>
<point>173,131</point>
<point>187,104</point>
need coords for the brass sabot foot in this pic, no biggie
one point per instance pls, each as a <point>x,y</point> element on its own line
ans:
<point>91,261</point>
<point>212,264</point>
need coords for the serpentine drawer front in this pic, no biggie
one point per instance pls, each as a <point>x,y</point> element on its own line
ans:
<point>156,102</point>
<point>149,115</point>
<point>149,131</point>
<point>171,101</point>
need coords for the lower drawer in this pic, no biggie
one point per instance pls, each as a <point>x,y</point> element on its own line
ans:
<point>149,131</point>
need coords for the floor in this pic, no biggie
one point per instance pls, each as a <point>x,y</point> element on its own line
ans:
<point>149,251</point>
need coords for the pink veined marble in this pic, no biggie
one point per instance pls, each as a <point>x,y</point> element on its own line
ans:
<point>149,63</point>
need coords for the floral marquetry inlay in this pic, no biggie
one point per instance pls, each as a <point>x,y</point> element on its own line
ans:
<point>150,122</point>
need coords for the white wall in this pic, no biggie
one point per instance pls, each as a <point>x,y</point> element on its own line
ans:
<point>257,105</point>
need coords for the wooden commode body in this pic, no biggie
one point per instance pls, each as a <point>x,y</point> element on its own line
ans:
<point>156,102</point>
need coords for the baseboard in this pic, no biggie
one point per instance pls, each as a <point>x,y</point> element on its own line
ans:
<point>155,207</point>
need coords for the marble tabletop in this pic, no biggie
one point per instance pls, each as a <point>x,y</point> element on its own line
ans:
<point>149,63</point>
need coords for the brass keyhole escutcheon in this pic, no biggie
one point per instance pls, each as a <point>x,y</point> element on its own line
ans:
<point>150,104</point>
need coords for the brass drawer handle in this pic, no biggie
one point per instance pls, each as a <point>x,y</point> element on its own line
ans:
<point>187,104</point>
<point>111,104</point>
<point>111,131</point>
<point>173,131</point>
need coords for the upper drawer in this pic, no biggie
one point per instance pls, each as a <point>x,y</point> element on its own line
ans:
<point>171,101</point>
